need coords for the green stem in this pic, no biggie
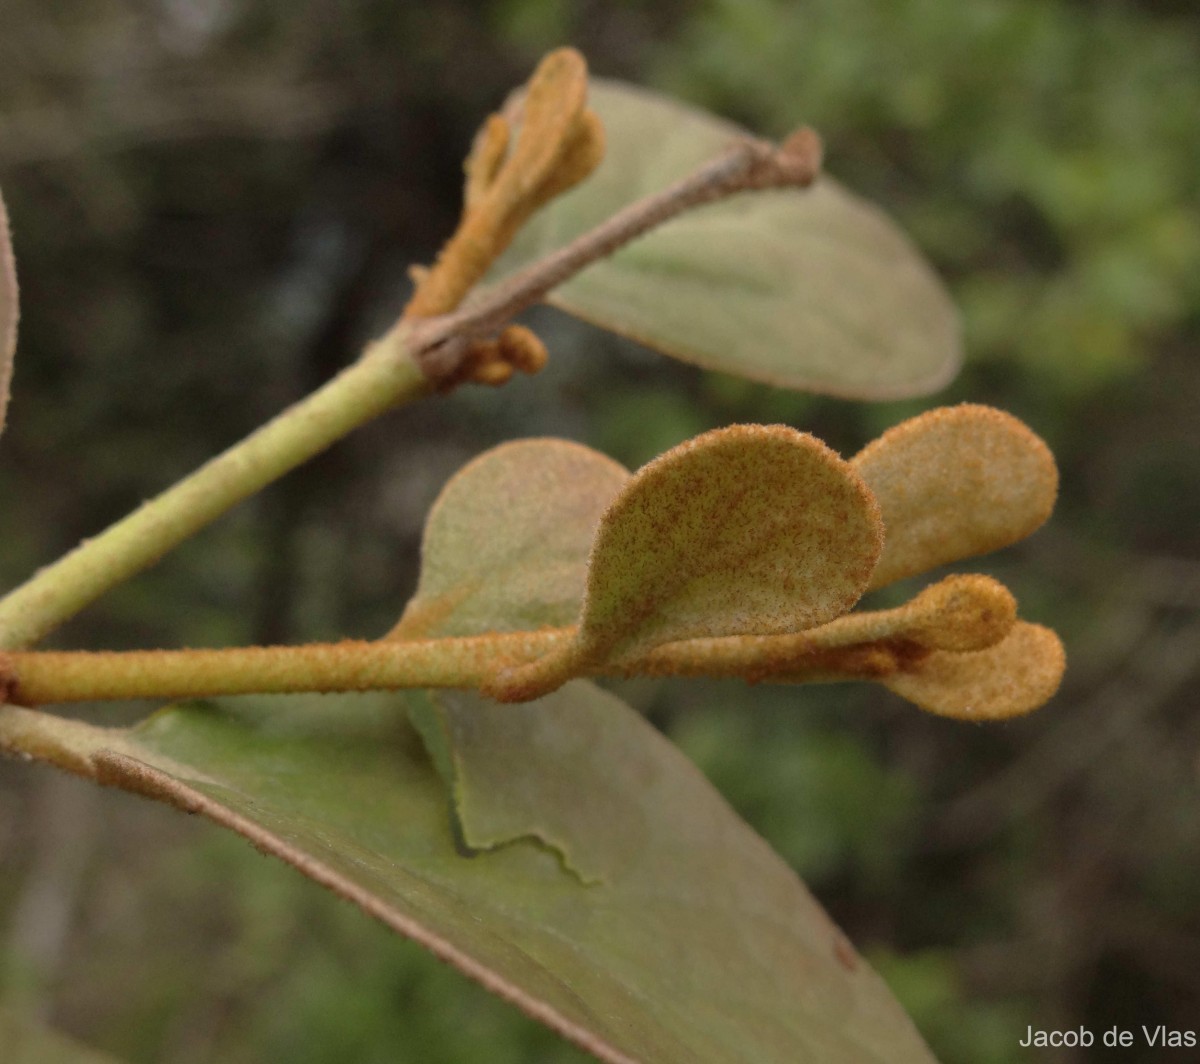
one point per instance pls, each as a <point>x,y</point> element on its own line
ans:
<point>385,376</point>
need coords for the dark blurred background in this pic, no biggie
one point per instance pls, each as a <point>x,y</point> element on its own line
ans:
<point>214,202</point>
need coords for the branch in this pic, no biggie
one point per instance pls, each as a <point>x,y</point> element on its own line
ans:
<point>440,345</point>
<point>408,362</point>
<point>33,678</point>
<point>386,376</point>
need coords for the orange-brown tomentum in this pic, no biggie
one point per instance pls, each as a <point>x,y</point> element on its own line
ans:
<point>558,144</point>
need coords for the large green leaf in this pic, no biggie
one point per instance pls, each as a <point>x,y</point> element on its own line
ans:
<point>8,310</point>
<point>692,943</point>
<point>812,289</point>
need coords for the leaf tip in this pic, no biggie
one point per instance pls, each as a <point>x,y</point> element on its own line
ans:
<point>1019,674</point>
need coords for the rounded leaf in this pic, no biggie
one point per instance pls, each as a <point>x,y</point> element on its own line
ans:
<point>813,289</point>
<point>747,530</point>
<point>694,943</point>
<point>506,543</point>
<point>1016,676</point>
<point>955,482</point>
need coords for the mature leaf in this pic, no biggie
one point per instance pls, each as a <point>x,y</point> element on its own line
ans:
<point>507,541</point>
<point>8,311</point>
<point>955,482</point>
<point>26,1041</point>
<point>748,530</point>
<point>698,946</point>
<point>812,289</point>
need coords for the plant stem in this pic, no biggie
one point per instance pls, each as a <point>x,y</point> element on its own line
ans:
<point>405,364</point>
<point>39,677</point>
<point>749,164</point>
<point>34,678</point>
<point>385,376</point>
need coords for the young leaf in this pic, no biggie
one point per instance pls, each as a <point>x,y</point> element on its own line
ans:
<point>506,543</point>
<point>748,530</point>
<point>812,289</point>
<point>1017,675</point>
<point>700,946</point>
<point>955,482</point>
<point>8,310</point>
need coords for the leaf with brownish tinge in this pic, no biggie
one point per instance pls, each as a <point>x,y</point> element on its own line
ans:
<point>506,542</point>
<point>956,650</point>
<point>558,145</point>
<point>747,530</point>
<point>1014,677</point>
<point>813,289</point>
<point>955,482</point>
<point>694,944</point>
<point>9,309</point>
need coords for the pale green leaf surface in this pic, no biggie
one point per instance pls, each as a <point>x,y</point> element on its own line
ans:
<point>506,543</point>
<point>8,311</point>
<point>811,289</point>
<point>506,548</point>
<point>700,945</point>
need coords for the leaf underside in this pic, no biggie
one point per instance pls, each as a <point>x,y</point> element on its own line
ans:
<point>610,893</point>
<point>812,289</point>
<point>747,530</point>
<point>955,482</point>
<point>692,943</point>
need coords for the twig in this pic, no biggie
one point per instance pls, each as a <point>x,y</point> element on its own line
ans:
<point>403,365</point>
<point>383,378</point>
<point>440,344</point>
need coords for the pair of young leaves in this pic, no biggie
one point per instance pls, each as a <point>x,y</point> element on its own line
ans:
<point>742,552</point>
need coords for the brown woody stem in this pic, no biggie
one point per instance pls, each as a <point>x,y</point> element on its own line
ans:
<point>441,344</point>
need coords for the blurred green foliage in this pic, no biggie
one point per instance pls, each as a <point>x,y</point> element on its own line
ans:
<point>1045,154</point>
<point>213,206</point>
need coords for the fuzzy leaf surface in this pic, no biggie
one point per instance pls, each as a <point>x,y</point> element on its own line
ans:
<point>506,542</point>
<point>955,482</point>
<point>811,289</point>
<point>747,530</point>
<point>699,946</point>
<point>8,311</point>
<point>1017,675</point>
